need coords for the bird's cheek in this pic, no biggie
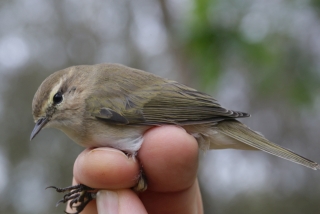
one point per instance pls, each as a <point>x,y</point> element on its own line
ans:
<point>51,124</point>
<point>54,123</point>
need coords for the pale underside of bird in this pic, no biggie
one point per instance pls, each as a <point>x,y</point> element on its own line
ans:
<point>114,105</point>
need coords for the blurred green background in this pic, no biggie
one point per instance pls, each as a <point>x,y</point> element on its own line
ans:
<point>257,56</point>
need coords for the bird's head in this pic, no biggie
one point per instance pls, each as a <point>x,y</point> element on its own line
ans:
<point>57,100</point>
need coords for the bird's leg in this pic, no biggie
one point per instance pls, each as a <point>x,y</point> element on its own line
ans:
<point>80,194</point>
<point>142,184</point>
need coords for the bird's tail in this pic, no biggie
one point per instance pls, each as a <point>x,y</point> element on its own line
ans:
<point>242,133</point>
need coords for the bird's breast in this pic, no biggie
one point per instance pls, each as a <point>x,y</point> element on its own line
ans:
<point>123,137</point>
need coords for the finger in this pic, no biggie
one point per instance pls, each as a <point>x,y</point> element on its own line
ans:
<point>187,201</point>
<point>113,202</point>
<point>169,156</point>
<point>106,168</point>
<point>119,202</point>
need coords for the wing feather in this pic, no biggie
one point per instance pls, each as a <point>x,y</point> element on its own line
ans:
<point>141,98</point>
<point>178,104</point>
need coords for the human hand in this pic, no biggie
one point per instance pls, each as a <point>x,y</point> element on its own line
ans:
<point>169,157</point>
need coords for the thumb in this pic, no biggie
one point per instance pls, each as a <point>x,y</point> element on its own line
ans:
<point>123,201</point>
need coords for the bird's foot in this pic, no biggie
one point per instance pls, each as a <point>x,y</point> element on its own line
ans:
<point>79,194</point>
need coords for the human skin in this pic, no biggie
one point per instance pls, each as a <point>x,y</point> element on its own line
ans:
<point>169,156</point>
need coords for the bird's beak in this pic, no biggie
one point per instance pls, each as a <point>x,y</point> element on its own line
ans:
<point>39,125</point>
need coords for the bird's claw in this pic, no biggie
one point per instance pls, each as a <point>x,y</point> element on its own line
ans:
<point>78,194</point>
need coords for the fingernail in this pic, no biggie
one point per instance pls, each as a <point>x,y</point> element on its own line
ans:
<point>107,202</point>
<point>106,149</point>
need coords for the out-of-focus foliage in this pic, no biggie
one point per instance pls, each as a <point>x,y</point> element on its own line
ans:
<point>256,56</point>
<point>247,36</point>
<point>271,51</point>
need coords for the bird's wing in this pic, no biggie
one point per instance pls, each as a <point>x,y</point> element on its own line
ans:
<point>165,103</point>
<point>175,103</point>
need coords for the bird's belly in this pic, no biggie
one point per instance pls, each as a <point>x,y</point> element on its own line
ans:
<point>124,138</point>
<point>130,144</point>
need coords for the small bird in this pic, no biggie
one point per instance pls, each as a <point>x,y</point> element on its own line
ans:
<point>111,105</point>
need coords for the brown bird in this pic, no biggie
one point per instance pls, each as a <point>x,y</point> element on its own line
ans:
<point>113,105</point>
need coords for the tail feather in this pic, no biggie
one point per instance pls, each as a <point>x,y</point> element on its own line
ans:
<point>242,133</point>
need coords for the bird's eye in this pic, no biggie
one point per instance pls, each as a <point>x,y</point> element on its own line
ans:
<point>57,98</point>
